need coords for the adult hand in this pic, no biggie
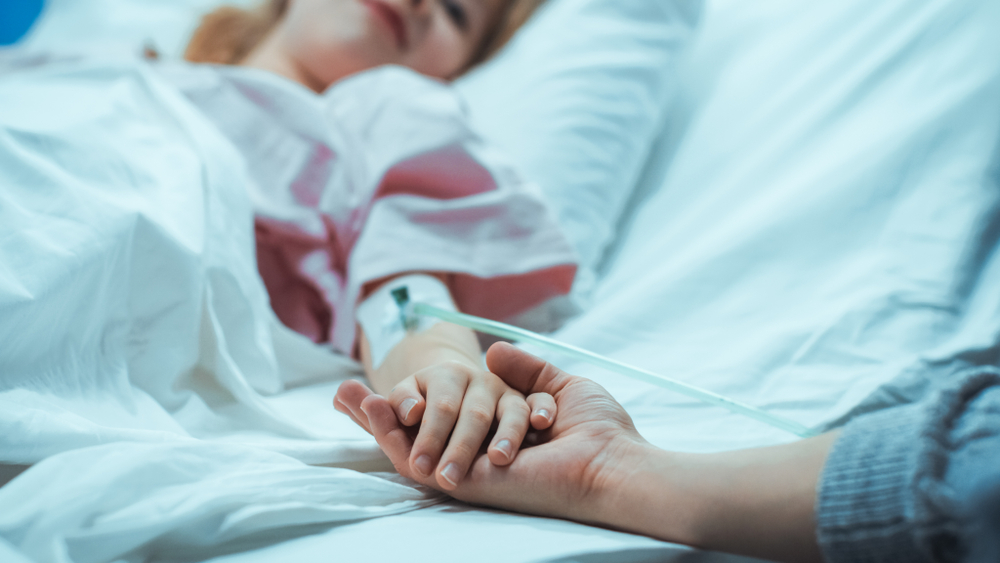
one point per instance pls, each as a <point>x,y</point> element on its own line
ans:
<point>571,473</point>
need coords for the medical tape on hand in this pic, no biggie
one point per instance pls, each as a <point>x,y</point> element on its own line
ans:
<point>382,320</point>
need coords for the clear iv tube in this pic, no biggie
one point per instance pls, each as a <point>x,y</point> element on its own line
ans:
<point>520,335</point>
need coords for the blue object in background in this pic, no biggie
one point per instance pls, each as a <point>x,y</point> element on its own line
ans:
<point>16,17</point>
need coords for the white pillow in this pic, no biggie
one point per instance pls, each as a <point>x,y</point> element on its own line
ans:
<point>577,99</point>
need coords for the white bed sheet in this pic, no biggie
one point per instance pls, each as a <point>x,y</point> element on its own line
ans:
<point>825,220</point>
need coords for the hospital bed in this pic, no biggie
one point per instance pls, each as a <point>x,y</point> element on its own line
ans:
<point>793,204</point>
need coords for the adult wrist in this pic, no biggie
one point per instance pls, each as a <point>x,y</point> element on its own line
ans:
<point>756,502</point>
<point>642,494</point>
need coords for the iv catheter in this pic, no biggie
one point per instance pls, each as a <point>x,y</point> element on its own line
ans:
<point>409,310</point>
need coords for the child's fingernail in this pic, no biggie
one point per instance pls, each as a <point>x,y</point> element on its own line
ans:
<point>503,446</point>
<point>451,474</point>
<point>544,414</point>
<point>406,407</point>
<point>424,465</point>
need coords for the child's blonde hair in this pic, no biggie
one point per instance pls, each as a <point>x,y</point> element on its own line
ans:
<point>229,34</point>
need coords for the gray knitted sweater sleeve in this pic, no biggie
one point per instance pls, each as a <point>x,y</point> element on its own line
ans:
<point>919,482</point>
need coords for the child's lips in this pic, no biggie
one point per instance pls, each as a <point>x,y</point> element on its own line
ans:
<point>391,17</point>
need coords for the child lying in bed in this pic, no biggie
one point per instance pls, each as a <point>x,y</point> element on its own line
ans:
<point>364,179</point>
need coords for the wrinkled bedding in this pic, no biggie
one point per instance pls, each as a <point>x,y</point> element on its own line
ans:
<point>820,217</point>
<point>137,337</point>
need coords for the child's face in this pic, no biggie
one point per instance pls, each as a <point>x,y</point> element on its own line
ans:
<point>331,39</point>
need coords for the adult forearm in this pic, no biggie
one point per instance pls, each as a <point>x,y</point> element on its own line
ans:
<point>758,502</point>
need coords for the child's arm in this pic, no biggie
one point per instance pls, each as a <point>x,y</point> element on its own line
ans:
<point>434,378</point>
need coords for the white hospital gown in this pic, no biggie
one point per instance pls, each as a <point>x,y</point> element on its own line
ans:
<point>379,176</point>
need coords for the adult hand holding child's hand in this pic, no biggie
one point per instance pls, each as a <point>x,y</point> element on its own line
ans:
<point>572,472</point>
<point>447,411</point>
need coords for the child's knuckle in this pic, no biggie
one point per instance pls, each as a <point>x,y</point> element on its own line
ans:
<point>480,415</point>
<point>463,450</point>
<point>447,408</point>
<point>454,368</point>
<point>518,408</point>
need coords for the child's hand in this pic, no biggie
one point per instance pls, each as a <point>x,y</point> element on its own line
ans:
<point>451,407</point>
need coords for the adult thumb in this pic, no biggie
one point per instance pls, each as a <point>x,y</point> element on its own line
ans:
<point>527,373</point>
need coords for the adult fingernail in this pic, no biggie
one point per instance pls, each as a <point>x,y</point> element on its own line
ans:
<point>544,414</point>
<point>406,407</point>
<point>503,446</point>
<point>451,474</point>
<point>424,465</point>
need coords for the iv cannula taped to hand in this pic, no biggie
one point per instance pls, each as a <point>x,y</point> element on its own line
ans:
<point>408,311</point>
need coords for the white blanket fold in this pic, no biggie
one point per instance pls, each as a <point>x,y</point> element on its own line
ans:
<point>131,500</point>
<point>137,345</point>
